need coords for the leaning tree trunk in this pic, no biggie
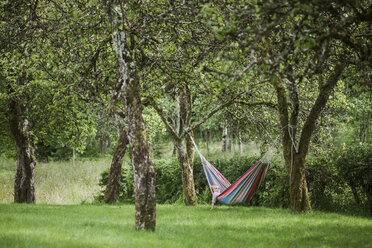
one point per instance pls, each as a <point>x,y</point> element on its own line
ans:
<point>113,183</point>
<point>24,189</point>
<point>128,88</point>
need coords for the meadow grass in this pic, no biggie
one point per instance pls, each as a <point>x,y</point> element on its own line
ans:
<point>56,226</point>
<point>58,182</point>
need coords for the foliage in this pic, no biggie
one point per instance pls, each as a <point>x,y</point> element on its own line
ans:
<point>341,180</point>
<point>354,165</point>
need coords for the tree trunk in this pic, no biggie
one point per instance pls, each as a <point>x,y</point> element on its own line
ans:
<point>113,183</point>
<point>128,88</point>
<point>143,169</point>
<point>186,160</point>
<point>240,142</point>
<point>228,139</point>
<point>24,189</point>
<point>299,196</point>
<point>102,144</point>
<point>295,159</point>
<point>224,139</point>
<point>186,163</point>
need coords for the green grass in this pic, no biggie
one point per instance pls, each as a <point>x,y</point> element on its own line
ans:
<point>177,226</point>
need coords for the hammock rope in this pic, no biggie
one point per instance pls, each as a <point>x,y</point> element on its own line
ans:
<point>241,191</point>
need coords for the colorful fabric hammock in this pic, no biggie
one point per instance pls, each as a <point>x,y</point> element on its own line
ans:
<point>241,191</point>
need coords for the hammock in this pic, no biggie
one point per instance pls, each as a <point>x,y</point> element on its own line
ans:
<point>241,191</point>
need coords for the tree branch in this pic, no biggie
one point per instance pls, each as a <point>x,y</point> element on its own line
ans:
<point>210,114</point>
<point>253,104</point>
<point>164,119</point>
<point>318,106</point>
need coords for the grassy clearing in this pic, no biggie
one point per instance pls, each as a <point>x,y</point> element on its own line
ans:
<point>57,182</point>
<point>177,226</point>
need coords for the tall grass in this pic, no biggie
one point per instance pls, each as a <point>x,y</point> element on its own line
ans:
<point>58,182</point>
<point>177,226</point>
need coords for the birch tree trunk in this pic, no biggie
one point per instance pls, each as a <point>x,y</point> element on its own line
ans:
<point>240,142</point>
<point>113,183</point>
<point>224,139</point>
<point>128,88</point>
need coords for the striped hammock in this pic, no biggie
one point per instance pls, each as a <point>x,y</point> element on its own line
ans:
<point>241,190</point>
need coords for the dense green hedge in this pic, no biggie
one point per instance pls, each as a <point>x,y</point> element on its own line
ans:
<point>274,192</point>
<point>339,181</point>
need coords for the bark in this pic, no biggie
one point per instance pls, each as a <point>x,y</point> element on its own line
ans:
<point>143,169</point>
<point>102,144</point>
<point>224,139</point>
<point>240,142</point>
<point>296,158</point>
<point>113,183</point>
<point>228,139</point>
<point>364,128</point>
<point>128,88</point>
<point>185,161</point>
<point>24,189</point>
<point>299,196</point>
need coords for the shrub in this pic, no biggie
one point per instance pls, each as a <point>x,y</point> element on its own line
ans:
<point>354,166</point>
<point>273,192</point>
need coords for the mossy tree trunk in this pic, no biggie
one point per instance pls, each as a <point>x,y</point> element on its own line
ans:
<point>113,183</point>
<point>185,148</point>
<point>24,189</point>
<point>128,89</point>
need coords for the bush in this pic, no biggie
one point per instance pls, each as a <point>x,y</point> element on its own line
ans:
<point>168,182</point>
<point>354,166</point>
<point>273,192</point>
<point>341,180</point>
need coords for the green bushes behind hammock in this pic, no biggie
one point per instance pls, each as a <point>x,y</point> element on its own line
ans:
<point>328,176</point>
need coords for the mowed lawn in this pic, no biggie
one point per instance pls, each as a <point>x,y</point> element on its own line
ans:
<point>55,226</point>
